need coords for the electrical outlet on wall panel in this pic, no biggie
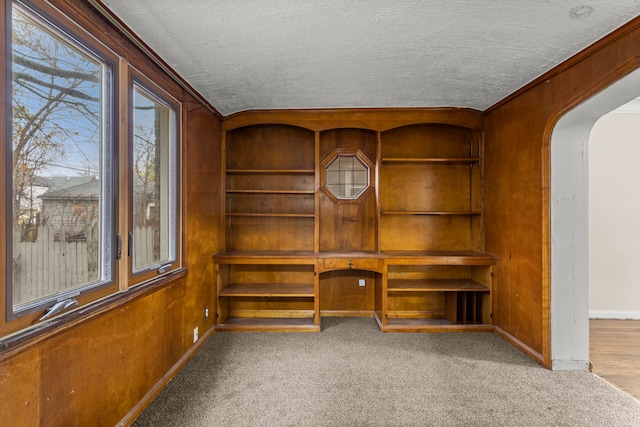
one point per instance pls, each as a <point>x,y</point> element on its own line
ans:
<point>361,282</point>
<point>195,334</point>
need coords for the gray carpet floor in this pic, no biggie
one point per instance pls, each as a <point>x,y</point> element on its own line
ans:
<point>351,374</point>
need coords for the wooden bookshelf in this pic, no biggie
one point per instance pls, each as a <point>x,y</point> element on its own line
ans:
<point>405,248</point>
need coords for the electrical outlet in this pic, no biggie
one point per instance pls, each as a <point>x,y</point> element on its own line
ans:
<point>195,334</point>
<point>361,282</point>
<point>206,312</point>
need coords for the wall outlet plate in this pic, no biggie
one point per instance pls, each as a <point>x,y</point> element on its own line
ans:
<point>195,334</point>
<point>362,282</point>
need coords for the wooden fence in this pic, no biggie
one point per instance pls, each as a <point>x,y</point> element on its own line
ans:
<point>143,247</point>
<point>50,265</point>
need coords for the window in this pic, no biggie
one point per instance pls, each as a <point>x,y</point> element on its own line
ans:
<point>153,181</point>
<point>346,175</point>
<point>60,224</point>
<point>87,214</point>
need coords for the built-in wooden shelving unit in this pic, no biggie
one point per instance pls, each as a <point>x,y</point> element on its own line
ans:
<point>408,250</point>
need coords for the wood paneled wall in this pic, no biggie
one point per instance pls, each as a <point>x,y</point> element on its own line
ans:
<point>201,200</point>
<point>108,368</point>
<point>517,182</point>
<point>348,226</point>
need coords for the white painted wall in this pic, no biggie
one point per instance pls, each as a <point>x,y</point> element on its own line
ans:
<point>614,216</point>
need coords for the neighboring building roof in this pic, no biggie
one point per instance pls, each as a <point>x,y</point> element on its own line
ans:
<point>55,183</point>
<point>80,188</point>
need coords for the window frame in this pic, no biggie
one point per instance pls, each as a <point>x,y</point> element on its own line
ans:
<point>346,152</point>
<point>140,80</point>
<point>68,29</point>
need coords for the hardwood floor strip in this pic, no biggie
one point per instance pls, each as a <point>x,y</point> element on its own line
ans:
<point>614,348</point>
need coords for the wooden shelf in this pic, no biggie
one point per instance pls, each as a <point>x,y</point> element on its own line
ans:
<point>432,160</point>
<point>431,325</point>
<point>272,191</point>
<point>272,171</point>
<point>259,324</point>
<point>430,213</point>
<point>418,322</point>
<point>267,290</point>
<point>273,215</point>
<point>435,285</point>
<point>265,258</point>
<point>461,258</point>
<point>390,257</point>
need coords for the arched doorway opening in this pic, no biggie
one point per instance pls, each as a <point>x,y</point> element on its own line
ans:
<point>569,223</point>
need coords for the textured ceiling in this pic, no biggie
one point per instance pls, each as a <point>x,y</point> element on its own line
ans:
<point>274,54</point>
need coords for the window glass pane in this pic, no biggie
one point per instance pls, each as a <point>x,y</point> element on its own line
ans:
<point>59,182</point>
<point>153,181</point>
<point>346,177</point>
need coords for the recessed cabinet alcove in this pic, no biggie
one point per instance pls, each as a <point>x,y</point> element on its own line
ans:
<point>371,214</point>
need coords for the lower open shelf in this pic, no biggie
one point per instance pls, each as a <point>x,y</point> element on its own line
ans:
<point>267,290</point>
<point>429,325</point>
<point>268,324</point>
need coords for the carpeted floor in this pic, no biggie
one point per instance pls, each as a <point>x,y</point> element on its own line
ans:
<point>351,374</point>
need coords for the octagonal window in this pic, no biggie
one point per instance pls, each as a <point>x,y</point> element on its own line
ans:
<point>346,177</point>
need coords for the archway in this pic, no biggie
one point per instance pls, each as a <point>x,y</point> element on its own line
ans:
<point>569,223</point>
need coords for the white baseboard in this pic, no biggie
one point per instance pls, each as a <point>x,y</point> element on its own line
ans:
<point>623,315</point>
<point>569,365</point>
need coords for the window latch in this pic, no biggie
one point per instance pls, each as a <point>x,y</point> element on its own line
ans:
<point>164,268</point>
<point>129,244</point>
<point>118,246</point>
<point>58,307</point>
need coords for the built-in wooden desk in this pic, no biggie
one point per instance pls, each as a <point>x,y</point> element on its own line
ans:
<point>415,291</point>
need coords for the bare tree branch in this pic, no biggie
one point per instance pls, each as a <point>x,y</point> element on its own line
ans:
<point>55,71</point>
<point>19,77</point>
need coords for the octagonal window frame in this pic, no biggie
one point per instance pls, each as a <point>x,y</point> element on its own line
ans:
<point>334,156</point>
